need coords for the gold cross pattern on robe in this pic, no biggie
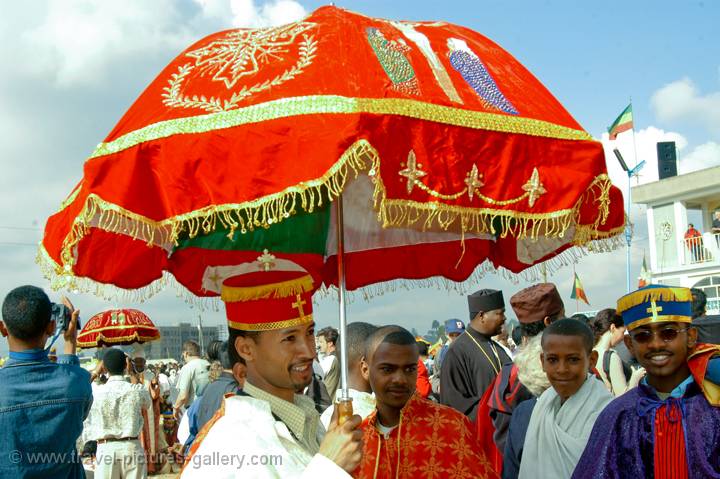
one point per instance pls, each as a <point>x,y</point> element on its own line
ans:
<point>299,306</point>
<point>654,309</point>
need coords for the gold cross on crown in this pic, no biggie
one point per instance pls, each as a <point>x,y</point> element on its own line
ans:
<point>654,309</point>
<point>266,260</point>
<point>299,306</point>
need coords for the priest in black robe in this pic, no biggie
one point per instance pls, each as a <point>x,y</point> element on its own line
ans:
<point>474,359</point>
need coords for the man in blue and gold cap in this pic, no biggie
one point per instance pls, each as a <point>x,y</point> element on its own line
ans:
<point>669,426</point>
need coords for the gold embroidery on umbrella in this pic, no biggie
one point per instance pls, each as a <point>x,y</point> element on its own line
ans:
<point>534,188</point>
<point>412,172</point>
<point>473,181</point>
<point>438,69</point>
<point>241,53</point>
<point>394,59</point>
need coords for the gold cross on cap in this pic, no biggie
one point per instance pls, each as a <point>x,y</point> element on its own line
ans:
<point>654,309</point>
<point>299,306</point>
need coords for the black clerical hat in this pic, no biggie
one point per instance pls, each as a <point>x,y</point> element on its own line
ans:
<point>485,300</point>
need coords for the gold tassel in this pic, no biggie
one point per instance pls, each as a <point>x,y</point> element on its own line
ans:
<point>231,294</point>
<point>653,294</point>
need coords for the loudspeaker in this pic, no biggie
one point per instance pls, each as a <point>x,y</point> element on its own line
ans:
<point>667,159</point>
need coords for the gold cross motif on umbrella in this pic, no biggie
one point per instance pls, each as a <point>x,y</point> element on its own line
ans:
<point>412,171</point>
<point>654,309</point>
<point>266,260</point>
<point>534,188</point>
<point>473,181</point>
<point>299,306</point>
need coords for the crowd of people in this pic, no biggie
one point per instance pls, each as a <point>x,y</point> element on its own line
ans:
<point>633,391</point>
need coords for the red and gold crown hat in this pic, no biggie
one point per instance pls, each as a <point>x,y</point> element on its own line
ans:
<point>268,300</point>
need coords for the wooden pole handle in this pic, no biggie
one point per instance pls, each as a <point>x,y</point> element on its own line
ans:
<point>345,410</point>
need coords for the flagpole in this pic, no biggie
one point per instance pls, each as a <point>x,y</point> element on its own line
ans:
<point>577,300</point>
<point>628,231</point>
<point>633,134</point>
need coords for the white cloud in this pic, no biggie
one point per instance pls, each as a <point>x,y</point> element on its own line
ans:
<point>681,100</point>
<point>79,42</point>
<point>279,12</point>
<point>700,157</point>
<point>703,156</point>
<point>645,144</point>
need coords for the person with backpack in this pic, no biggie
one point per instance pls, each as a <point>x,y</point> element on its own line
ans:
<point>617,375</point>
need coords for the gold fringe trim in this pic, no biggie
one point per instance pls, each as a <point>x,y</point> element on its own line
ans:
<point>61,279</point>
<point>231,294</point>
<point>289,323</point>
<point>266,211</point>
<point>247,216</point>
<point>653,294</point>
<point>132,337</point>
<point>532,274</point>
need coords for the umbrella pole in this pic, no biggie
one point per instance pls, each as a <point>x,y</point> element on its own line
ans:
<point>345,403</point>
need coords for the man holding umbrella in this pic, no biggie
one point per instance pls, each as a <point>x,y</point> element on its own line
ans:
<point>268,430</point>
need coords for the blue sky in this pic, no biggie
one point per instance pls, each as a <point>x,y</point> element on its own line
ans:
<point>73,67</point>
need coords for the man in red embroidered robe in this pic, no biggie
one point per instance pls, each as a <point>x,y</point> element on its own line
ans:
<point>407,436</point>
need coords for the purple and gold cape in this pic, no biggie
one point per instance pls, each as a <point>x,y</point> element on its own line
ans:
<point>622,441</point>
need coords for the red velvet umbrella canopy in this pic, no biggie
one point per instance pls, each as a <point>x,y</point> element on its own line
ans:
<point>117,326</point>
<point>448,154</point>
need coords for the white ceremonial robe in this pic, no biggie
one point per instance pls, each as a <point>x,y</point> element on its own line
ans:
<point>247,442</point>
<point>558,433</point>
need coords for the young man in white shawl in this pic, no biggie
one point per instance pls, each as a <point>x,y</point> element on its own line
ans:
<point>563,415</point>
<point>267,430</point>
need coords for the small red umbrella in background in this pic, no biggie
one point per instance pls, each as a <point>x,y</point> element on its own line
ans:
<point>118,327</point>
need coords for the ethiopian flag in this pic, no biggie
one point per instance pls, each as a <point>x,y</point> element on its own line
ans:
<point>645,277</point>
<point>578,292</point>
<point>624,122</point>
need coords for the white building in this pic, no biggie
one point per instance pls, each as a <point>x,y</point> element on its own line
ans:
<point>672,204</point>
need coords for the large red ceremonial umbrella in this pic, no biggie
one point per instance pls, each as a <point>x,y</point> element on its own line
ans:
<point>450,156</point>
<point>117,326</point>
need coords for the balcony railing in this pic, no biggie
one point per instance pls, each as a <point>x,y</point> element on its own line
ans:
<point>702,249</point>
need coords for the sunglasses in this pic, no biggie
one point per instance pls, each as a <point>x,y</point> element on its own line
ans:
<point>666,334</point>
